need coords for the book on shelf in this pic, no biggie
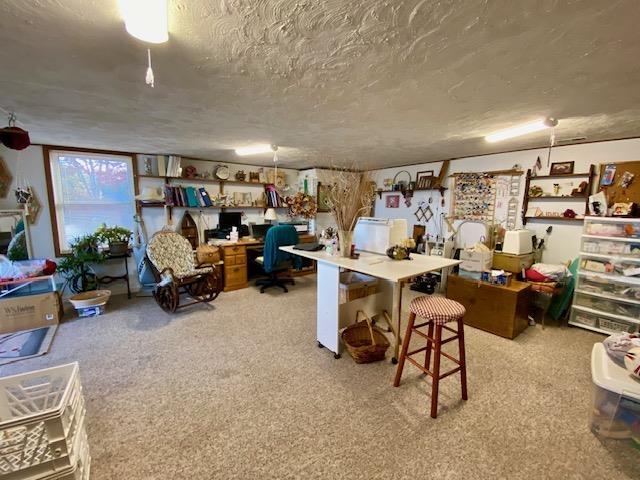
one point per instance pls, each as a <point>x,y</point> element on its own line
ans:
<point>192,200</point>
<point>162,171</point>
<point>205,197</point>
<point>273,198</point>
<point>168,195</point>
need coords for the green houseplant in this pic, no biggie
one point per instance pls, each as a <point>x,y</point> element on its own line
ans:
<point>116,237</point>
<point>76,267</point>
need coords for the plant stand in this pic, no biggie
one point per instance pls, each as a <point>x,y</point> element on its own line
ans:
<point>108,279</point>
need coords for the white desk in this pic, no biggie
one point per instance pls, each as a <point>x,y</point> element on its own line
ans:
<point>331,316</point>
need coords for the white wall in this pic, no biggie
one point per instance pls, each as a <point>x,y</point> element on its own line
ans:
<point>563,244</point>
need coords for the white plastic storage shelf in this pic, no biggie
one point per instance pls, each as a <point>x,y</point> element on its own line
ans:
<point>607,293</point>
<point>616,399</point>
<point>42,428</point>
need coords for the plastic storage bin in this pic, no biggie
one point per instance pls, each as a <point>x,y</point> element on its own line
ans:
<point>42,429</point>
<point>616,399</point>
<point>355,285</point>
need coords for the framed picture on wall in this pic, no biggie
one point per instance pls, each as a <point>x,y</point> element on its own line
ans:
<point>393,201</point>
<point>424,179</point>
<point>323,201</point>
<point>561,168</point>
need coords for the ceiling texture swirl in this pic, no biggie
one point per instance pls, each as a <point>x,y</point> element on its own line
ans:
<point>370,83</point>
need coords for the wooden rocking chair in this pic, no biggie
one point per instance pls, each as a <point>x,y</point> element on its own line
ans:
<point>176,273</point>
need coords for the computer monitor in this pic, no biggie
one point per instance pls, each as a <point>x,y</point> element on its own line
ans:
<point>259,230</point>
<point>229,219</point>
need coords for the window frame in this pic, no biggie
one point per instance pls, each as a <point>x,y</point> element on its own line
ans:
<point>46,154</point>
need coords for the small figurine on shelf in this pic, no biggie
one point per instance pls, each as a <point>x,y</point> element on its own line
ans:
<point>190,171</point>
<point>240,176</point>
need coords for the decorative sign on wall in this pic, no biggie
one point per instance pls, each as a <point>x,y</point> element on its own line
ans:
<point>393,201</point>
<point>474,196</point>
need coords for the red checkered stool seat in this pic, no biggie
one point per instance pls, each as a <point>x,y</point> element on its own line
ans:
<point>437,309</point>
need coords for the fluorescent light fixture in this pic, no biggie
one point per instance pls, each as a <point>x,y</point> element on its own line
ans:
<point>523,129</point>
<point>255,149</point>
<point>147,20</point>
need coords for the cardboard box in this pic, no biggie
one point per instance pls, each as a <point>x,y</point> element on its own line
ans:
<point>475,261</point>
<point>512,263</point>
<point>29,311</point>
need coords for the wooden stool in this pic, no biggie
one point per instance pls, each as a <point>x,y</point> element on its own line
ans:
<point>437,311</point>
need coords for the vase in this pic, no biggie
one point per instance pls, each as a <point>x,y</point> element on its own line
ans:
<point>345,237</point>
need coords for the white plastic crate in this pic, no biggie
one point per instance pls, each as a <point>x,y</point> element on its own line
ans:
<point>41,416</point>
<point>81,469</point>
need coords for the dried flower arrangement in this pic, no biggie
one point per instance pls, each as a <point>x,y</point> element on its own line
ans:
<point>349,196</point>
<point>302,205</point>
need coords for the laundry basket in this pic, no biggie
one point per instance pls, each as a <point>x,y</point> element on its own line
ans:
<point>41,423</point>
<point>365,343</point>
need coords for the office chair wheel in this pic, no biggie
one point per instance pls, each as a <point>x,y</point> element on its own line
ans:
<point>320,345</point>
<point>337,356</point>
<point>394,360</point>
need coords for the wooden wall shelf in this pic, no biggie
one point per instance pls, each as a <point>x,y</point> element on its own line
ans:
<point>584,198</point>
<point>561,219</point>
<point>559,197</point>
<point>204,180</point>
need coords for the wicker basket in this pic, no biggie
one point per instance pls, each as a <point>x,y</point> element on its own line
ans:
<point>364,342</point>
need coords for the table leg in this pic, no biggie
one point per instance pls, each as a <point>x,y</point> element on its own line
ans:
<point>126,278</point>
<point>397,318</point>
<point>328,308</point>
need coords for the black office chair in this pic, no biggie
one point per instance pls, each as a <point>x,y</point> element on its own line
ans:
<point>274,261</point>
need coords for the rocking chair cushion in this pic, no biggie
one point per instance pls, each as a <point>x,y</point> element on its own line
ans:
<point>197,271</point>
<point>172,250</point>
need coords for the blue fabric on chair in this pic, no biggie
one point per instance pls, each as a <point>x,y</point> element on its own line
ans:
<point>280,236</point>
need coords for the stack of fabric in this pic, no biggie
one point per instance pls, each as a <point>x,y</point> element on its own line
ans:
<point>547,278</point>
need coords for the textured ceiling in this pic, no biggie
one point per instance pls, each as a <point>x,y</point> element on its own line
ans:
<point>375,82</point>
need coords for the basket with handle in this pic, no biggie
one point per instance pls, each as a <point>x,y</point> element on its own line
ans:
<point>365,342</point>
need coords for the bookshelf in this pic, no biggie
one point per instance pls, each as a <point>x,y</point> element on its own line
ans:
<point>167,180</point>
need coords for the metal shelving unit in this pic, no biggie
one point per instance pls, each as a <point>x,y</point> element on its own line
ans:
<point>607,293</point>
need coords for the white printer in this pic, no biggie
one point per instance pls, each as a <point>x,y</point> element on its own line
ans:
<point>376,235</point>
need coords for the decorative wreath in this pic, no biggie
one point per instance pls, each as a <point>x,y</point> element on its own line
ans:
<point>302,205</point>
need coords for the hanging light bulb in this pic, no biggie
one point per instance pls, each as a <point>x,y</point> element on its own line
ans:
<point>149,79</point>
<point>146,20</point>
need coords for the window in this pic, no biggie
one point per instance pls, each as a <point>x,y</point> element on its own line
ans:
<point>86,190</point>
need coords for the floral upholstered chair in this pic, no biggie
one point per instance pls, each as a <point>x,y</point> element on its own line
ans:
<point>176,272</point>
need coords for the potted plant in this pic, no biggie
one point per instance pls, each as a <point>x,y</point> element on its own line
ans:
<point>76,267</point>
<point>116,237</point>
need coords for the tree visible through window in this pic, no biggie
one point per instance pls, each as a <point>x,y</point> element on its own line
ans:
<point>90,189</point>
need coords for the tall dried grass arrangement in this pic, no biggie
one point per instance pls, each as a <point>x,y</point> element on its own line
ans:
<point>350,195</point>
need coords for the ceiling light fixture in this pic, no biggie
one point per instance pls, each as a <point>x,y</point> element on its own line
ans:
<point>255,149</point>
<point>523,129</point>
<point>147,20</point>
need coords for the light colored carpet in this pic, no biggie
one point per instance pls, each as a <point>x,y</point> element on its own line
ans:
<point>241,391</point>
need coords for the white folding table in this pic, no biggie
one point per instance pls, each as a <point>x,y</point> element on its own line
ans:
<point>393,274</point>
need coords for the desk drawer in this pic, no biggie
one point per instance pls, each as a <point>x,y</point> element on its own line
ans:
<point>235,275</point>
<point>241,260</point>
<point>229,260</point>
<point>235,250</point>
